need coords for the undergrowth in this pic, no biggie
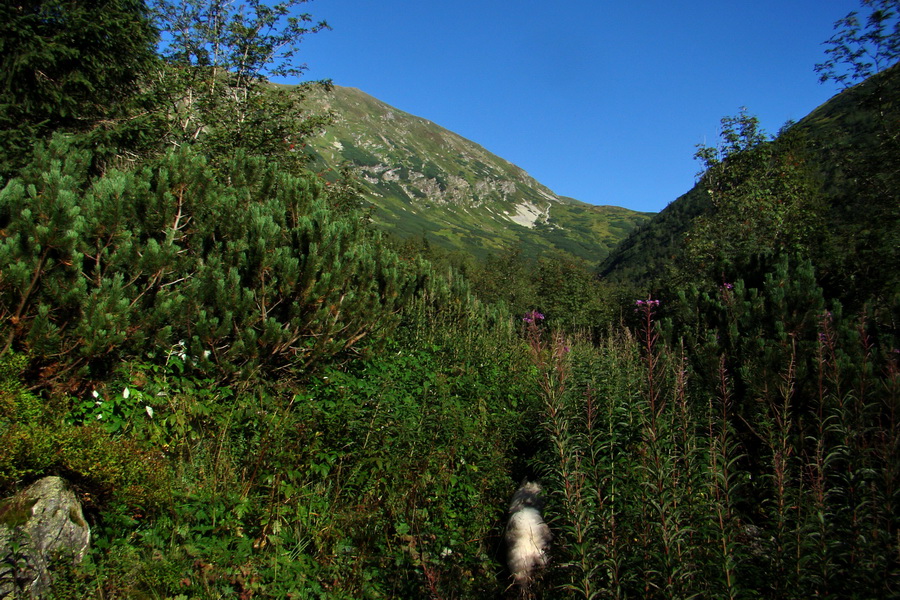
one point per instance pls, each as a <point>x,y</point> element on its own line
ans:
<point>666,486</point>
<point>382,478</point>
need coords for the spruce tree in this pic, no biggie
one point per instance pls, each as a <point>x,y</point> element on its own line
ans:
<point>67,65</point>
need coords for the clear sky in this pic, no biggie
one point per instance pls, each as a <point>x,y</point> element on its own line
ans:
<point>603,101</point>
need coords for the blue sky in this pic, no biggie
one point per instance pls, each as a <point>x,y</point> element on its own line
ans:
<point>602,101</point>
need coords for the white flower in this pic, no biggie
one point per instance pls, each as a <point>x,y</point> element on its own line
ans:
<point>149,410</point>
<point>125,393</point>
<point>99,417</point>
<point>95,394</point>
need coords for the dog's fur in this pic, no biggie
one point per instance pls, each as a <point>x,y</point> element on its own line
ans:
<point>527,536</point>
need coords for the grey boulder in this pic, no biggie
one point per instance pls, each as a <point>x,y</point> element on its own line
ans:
<point>39,526</point>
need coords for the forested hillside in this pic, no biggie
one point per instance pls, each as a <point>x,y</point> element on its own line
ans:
<point>256,393</point>
<point>842,157</point>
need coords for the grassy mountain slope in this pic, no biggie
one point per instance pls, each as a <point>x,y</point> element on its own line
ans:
<point>849,139</point>
<point>424,180</point>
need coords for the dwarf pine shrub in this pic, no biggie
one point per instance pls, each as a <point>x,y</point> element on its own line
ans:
<point>244,270</point>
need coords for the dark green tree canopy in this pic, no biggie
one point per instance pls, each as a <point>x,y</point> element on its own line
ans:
<point>764,200</point>
<point>70,60</point>
<point>68,63</point>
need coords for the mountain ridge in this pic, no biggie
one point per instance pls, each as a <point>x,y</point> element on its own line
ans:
<point>423,180</point>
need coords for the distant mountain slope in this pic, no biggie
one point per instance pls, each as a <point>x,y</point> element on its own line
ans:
<point>424,180</point>
<point>850,139</point>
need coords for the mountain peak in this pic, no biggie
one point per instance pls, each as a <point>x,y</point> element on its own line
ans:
<point>425,180</point>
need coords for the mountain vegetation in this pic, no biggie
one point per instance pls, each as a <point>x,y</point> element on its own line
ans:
<point>836,174</point>
<point>257,390</point>
<point>429,183</point>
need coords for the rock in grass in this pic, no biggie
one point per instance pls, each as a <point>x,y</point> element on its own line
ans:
<point>38,527</point>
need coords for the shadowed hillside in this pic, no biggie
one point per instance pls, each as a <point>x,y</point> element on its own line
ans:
<point>851,144</point>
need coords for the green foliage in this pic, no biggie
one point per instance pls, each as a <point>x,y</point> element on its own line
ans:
<point>110,472</point>
<point>16,404</point>
<point>569,294</point>
<point>863,146</point>
<point>508,278</point>
<point>859,168</point>
<point>764,199</point>
<point>386,477</point>
<point>258,396</point>
<point>740,133</point>
<point>68,66</point>
<point>825,189</point>
<point>213,87</point>
<point>256,273</point>
<point>565,290</point>
<point>427,509</point>
<point>251,41</point>
<point>664,486</point>
<point>859,50</point>
<point>771,328</point>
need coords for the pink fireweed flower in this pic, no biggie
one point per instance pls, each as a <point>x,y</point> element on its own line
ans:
<point>533,316</point>
<point>648,303</point>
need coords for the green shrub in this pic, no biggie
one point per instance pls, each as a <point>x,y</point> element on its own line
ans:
<point>249,269</point>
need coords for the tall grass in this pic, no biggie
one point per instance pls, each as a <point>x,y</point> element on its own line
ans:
<point>665,487</point>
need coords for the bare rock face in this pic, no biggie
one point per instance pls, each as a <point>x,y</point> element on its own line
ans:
<point>38,527</point>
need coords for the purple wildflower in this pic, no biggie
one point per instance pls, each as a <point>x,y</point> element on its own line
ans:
<point>533,316</point>
<point>648,302</point>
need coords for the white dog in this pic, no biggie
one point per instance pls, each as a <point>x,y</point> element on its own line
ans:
<point>527,536</point>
